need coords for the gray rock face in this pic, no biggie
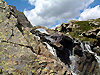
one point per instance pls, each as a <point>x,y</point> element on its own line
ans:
<point>83,61</point>
<point>26,51</point>
<point>21,53</point>
<point>61,42</point>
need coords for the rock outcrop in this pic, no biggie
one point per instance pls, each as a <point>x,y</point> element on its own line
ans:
<point>74,53</point>
<point>85,57</point>
<point>24,50</point>
<point>84,30</point>
<point>21,53</point>
<point>84,61</point>
<point>61,42</point>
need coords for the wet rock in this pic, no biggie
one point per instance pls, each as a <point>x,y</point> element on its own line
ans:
<point>63,39</point>
<point>62,27</point>
<point>84,61</point>
<point>87,64</point>
<point>21,52</point>
<point>66,46</point>
<point>78,50</point>
<point>96,50</point>
<point>59,41</point>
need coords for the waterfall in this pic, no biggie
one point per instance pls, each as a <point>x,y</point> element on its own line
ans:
<point>47,37</point>
<point>88,48</point>
<point>74,59</point>
<point>82,46</point>
<point>51,49</point>
<point>73,63</point>
<point>42,30</point>
<point>73,66</point>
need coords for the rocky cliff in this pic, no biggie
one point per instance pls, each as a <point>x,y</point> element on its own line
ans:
<point>24,50</point>
<point>21,52</point>
<point>86,35</point>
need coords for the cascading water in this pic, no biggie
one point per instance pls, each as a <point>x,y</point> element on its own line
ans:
<point>42,30</point>
<point>51,49</point>
<point>74,58</point>
<point>88,48</point>
<point>73,66</point>
<point>82,46</point>
<point>85,47</point>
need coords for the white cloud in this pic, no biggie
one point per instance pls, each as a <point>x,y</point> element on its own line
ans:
<point>55,26</point>
<point>32,2</point>
<point>47,12</point>
<point>90,13</point>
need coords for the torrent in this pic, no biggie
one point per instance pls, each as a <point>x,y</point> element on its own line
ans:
<point>69,49</point>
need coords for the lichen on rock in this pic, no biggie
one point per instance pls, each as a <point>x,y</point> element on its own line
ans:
<point>21,53</point>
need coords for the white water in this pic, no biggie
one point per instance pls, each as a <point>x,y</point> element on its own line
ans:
<point>74,59</point>
<point>88,48</point>
<point>85,47</point>
<point>82,46</point>
<point>52,40</point>
<point>51,49</point>
<point>73,66</point>
<point>42,30</point>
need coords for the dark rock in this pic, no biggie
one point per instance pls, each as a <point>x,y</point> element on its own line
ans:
<point>87,64</point>
<point>62,27</point>
<point>78,50</point>
<point>61,42</point>
<point>96,50</point>
<point>91,33</point>
<point>21,52</point>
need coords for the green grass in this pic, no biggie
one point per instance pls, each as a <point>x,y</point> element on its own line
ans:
<point>82,38</point>
<point>97,20</point>
<point>84,25</point>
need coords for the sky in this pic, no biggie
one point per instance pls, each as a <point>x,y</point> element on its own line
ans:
<point>50,13</point>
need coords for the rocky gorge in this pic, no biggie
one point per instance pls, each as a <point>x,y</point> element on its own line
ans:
<point>73,48</point>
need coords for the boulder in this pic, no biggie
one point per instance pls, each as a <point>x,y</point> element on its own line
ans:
<point>93,23</point>
<point>93,33</point>
<point>24,50</point>
<point>62,27</point>
<point>87,64</point>
<point>82,61</point>
<point>21,53</point>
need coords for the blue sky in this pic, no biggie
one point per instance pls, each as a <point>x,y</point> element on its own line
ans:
<point>95,3</point>
<point>24,4</point>
<point>51,13</point>
<point>20,4</point>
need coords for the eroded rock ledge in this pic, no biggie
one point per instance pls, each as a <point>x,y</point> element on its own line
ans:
<point>24,50</point>
<point>21,53</point>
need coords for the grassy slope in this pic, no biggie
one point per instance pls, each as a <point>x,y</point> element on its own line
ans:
<point>84,26</point>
